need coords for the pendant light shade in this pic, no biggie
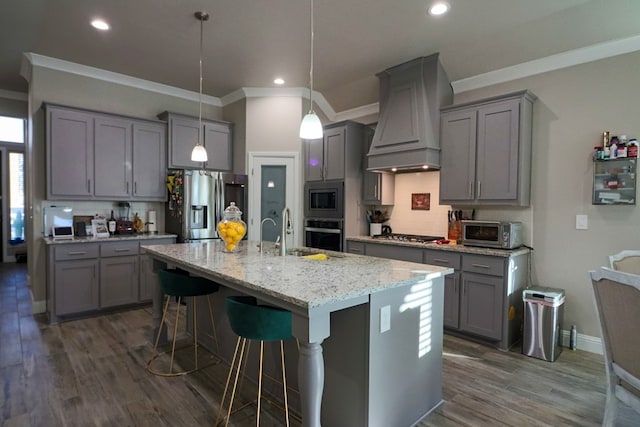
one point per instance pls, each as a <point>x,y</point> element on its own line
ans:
<point>311,127</point>
<point>199,153</point>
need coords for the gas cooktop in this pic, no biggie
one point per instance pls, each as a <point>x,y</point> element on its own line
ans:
<point>408,237</point>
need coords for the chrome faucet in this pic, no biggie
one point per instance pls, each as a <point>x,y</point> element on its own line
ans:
<point>262,226</point>
<point>286,229</point>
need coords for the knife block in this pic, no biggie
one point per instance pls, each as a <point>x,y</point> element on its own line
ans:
<point>454,233</point>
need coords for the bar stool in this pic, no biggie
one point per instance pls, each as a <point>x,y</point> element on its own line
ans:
<point>178,284</point>
<point>251,321</point>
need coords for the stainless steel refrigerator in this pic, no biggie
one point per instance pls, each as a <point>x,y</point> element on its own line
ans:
<point>197,200</point>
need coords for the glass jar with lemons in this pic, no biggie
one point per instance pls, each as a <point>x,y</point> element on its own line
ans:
<point>232,228</point>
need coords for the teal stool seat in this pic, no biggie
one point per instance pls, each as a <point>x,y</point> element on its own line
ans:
<point>258,322</point>
<point>179,284</point>
<point>251,321</point>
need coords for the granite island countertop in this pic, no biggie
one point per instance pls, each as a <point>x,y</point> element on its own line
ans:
<point>451,247</point>
<point>122,237</point>
<point>304,283</point>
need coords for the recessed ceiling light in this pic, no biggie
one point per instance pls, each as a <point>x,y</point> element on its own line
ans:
<point>439,8</point>
<point>100,24</point>
<point>394,169</point>
<point>425,166</point>
<point>279,81</point>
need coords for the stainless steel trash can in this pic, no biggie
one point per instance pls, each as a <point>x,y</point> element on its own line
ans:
<point>543,315</point>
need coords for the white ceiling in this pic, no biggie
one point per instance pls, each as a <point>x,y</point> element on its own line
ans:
<point>247,43</point>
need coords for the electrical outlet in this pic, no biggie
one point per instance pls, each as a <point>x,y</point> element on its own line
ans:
<point>582,222</point>
<point>385,318</point>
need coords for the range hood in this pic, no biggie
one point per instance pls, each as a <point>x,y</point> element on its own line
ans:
<point>407,137</point>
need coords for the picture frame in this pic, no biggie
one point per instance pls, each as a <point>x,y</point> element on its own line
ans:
<point>86,220</point>
<point>99,228</point>
<point>420,201</point>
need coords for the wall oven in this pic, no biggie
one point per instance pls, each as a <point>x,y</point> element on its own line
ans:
<point>324,199</point>
<point>323,234</point>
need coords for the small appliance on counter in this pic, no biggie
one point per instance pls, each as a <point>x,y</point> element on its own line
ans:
<point>58,222</point>
<point>123,224</point>
<point>492,234</point>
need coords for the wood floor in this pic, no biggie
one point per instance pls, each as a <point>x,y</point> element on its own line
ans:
<point>91,372</point>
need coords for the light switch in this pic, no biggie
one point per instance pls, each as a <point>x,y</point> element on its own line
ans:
<point>582,222</point>
<point>385,318</point>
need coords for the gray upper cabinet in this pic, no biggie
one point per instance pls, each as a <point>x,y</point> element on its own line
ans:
<point>113,157</point>
<point>327,158</point>
<point>377,188</point>
<point>69,154</point>
<point>183,135</point>
<point>486,151</point>
<point>97,156</point>
<point>149,161</point>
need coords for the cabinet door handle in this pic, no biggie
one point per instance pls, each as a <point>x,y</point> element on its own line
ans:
<point>480,266</point>
<point>375,191</point>
<point>135,187</point>
<point>77,253</point>
<point>88,186</point>
<point>355,251</point>
<point>471,189</point>
<point>464,289</point>
<point>479,184</point>
<point>122,250</point>
<point>441,261</point>
<point>127,188</point>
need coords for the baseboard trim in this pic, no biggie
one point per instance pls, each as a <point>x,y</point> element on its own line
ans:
<point>585,342</point>
<point>38,307</point>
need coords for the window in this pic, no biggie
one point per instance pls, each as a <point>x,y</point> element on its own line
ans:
<point>11,129</point>
<point>16,196</point>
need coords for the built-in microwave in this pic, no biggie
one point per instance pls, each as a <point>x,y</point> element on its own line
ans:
<point>324,199</point>
<point>492,234</point>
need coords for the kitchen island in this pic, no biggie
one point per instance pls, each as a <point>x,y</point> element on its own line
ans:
<point>386,311</point>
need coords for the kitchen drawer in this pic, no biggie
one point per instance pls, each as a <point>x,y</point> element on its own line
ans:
<point>355,247</point>
<point>442,258</point>
<point>81,251</point>
<point>483,264</point>
<point>122,248</point>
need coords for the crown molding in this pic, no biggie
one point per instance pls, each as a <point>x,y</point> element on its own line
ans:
<point>358,112</point>
<point>38,60</point>
<point>549,63</point>
<point>9,94</point>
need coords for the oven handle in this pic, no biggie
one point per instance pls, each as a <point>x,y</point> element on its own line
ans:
<point>323,230</point>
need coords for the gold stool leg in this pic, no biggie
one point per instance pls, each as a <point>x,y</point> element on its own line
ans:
<point>260,383</point>
<point>213,325</point>
<point>175,335</point>
<point>195,332</point>
<point>226,386</point>
<point>235,382</point>
<point>155,345</point>
<point>284,383</point>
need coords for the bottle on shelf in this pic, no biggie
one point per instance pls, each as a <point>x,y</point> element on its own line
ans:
<point>112,224</point>
<point>632,149</point>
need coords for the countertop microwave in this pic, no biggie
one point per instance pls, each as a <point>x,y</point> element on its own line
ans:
<point>492,234</point>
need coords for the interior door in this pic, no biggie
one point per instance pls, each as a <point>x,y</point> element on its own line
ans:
<point>267,173</point>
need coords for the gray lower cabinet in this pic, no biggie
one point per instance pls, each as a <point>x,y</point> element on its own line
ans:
<point>94,276</point>
<point>119,267</point>
<point>183,136</point>
<point>486,151</point>
<point>76,286</point>
<point>99,156</point>
<point>482,298</point>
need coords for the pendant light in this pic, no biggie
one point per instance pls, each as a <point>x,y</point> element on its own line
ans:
<point>311,128</point>
<point>199,153</point>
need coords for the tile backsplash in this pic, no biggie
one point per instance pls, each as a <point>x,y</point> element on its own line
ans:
<point>405,220</point>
